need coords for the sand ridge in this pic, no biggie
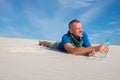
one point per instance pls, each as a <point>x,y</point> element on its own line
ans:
<point>23,59</point>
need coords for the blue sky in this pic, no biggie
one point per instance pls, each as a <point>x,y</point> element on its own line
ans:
<point>48,19</point>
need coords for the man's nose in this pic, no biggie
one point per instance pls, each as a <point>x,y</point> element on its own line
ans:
<point>80,30</point>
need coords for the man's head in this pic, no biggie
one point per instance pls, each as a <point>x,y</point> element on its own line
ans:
<point>75,28</point>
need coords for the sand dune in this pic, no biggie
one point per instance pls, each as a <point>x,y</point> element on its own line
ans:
<point>23,59</point>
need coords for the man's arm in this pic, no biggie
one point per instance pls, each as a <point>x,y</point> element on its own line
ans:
<point>84,50</point>
<point>77,51</point>
<point>101,48</point>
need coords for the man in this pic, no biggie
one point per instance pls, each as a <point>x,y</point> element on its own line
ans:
<point>76,42</point>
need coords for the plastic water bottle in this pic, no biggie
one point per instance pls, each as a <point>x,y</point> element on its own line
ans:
<point>103,54</point>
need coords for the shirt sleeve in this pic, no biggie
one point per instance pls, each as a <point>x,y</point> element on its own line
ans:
<point>65,39</point>
<point>86,42</point>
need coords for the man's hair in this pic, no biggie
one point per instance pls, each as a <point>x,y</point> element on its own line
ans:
<point>71,23</point>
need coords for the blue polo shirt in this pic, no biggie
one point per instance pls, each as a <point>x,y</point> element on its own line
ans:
<point>66,39</point>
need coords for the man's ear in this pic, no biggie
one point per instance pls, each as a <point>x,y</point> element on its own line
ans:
<point>71,31</point>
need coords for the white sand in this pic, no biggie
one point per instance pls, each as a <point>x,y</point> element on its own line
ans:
<point>22,59</point>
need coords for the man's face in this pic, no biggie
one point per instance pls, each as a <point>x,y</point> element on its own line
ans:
<point>76,30</point>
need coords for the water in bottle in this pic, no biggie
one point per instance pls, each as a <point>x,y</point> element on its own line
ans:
<point>103,54</point>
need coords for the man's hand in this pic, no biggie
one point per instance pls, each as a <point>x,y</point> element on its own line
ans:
<point>92,53</point>
<point>103,48</point>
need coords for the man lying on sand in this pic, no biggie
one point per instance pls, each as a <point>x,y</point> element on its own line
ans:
<point>76,41</point>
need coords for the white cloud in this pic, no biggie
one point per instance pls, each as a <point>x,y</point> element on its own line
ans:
<point>9,31</point>
<point>82,4</point>
<point>76,3</point>
<point>94,35</point>
<point>4,19</point>
<point>108,32</point>
<point>95,10</point>
<point>13,31</point>
<point>115,20</point>
<point>101,34</point>
<point>47,26</point>
<point>117,31</point>
<point>7,12</point>
<point>6,7</point>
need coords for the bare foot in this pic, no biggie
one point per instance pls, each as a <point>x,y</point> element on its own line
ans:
<point>44,43</point>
